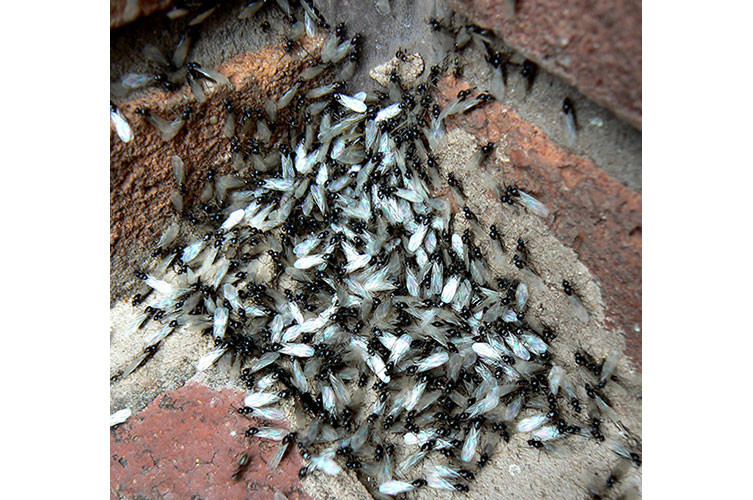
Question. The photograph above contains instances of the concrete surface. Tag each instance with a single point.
(593, 239)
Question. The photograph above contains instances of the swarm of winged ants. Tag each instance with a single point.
(337, 278)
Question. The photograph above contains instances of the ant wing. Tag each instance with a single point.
(532, 204)
(352, 103)
(121, 125)
(390, 111)
(213, 75)
(285, 7)
(198, 92)
(270, 433)
(274, 461)
(155, 55)
(571, 134)
(609, 365)
(532, 423)
(251, 9)
(178, 170)
(210, 358)
(393, 487)
(470, 444)
(201, 17)
(120, 416)
(297, 350)
(168, 130)
(326, 464)
(181, 51)
(137, 80)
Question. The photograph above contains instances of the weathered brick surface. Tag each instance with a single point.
(187, 443)
(592, 212)
(123, 12)
(141, 178)
(595, 46)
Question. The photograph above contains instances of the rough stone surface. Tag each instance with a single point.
(123, 12)
(187, 444)
(590, 211)
(141, 178)
(409, 70)
(595, 46)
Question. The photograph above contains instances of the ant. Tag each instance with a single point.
(242, 466)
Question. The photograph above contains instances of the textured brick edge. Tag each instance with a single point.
(187, 444)
(141, 178)
(594, 46)
(592, 213)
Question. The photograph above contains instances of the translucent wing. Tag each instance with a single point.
(531, 423)
(275, 459)
(309, 261)
(178, 169)
(395, 487)
(210, 358)
(251, 9)
(486, 351)
(297, 350)
(378, 367)
(220, 322)
(181, 51)
(234, 219)
(399, 348)
(259, 399)
(270, 433)
(469, 447)
(439, 483)
(390, 111)
(120, 416)
(546, 433)
(555, 379)
(121, 125)
(534, 343)
(417, 238)
(517, 347)
(201, 17)
(215, 76)
(433, 361)
(532, 204)
(521, 296)
(326, 464)
(609, 365)
(136, 80)
(155, 55)
(448, 292)
(352, 103)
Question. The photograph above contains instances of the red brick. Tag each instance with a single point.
(141, 178)
(592, 212)
(602, 55)
(181, 446)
